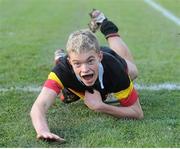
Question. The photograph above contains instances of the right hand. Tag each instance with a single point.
(94, 100)
(48, 136)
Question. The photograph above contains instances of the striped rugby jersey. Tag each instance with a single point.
(115, 79)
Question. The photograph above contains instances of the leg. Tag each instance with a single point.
(57, 54)
(118, 45)
(109, 29)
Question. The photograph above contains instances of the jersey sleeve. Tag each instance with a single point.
(128, 96)
(54, 83)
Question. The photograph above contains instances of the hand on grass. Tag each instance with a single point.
(48, 136)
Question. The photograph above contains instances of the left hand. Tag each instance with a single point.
(48, 136)
(93, 101)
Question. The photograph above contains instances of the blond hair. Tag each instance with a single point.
(82, 41)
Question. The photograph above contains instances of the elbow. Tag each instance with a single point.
(139, 115)
(31, 112)
(133, 73)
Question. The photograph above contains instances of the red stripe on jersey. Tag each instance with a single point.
(131, 99)
(53, 85)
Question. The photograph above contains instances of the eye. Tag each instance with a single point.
(77, 64)
(91, 61)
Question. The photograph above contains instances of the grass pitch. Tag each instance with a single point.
(31, 30)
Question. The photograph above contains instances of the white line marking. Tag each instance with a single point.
(165, 12)
(152, 87)
(22, 89)
(157, 87)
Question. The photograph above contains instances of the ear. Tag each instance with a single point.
(100, 56)
(68, 58)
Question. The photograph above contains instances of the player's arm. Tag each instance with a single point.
(38, 114)
(133, 110)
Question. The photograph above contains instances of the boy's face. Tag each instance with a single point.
(85, 65)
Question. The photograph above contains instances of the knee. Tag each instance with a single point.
(133, 73)
(132, 70)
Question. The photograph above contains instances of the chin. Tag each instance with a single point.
(89, 84)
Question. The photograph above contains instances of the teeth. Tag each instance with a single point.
(87, 77)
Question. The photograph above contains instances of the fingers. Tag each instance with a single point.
(47, 136)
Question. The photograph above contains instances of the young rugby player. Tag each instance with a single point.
(90, 72)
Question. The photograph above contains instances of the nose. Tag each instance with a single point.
(84, 68)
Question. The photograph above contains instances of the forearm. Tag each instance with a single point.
(121, 112)
(39, 120)
(39, 109)
(94, 102)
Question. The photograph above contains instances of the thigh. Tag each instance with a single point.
(132, 69)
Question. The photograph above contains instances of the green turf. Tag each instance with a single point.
(31, 30)
(168, 4)
(84, 128)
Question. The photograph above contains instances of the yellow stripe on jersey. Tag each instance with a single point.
(124, 93)
(53, 76)
(77, 93)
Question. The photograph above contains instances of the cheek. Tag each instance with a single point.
(95, 68)
(76, 70)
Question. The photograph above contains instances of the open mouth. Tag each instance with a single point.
(87, 77)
